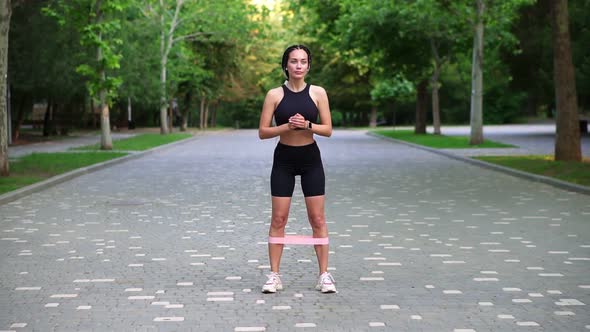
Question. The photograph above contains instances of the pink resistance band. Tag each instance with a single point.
(299, 239)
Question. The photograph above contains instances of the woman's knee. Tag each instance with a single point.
(317, 221)
(278, 221)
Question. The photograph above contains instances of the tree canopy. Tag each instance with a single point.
(375, 59)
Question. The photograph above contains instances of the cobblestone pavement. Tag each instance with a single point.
(176, 241)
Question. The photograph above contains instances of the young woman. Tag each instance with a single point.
(296, 106)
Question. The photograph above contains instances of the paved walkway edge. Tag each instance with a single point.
(52, 181)
(511, 171)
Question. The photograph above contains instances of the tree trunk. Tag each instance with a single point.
(166, 41)
(8, 111)
(5, 13)
(206, 120)
(213, 115)
(202, 113)
(24, 104)
(106, 142)
(373, 117)
(170, 115)
(567, 142)
(130, 124)
(393, 115)
(532, 103)
(184, 125)
(421, 107)
(345, 118)
(163, 104)
(476, 119)
(129, 118)
(435, 103)
(163, 61)
(435, 86)
(94, 113)
(435, 108)
(186, 110)
(47, 119)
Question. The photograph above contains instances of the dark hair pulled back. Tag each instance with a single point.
(291, 49)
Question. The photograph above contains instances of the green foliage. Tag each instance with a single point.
(139, 65)
(580, 38)
(201, 48)
(365, 53)
(42, 57)
(531, 69)
(499, 18)
(396, 88)
(501, 104)
(241, 114)
(384, 40)
(98, 26)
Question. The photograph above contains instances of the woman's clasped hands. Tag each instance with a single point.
(297, 121)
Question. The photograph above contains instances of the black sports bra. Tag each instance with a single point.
(296, 102)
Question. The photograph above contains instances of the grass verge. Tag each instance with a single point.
(574, 172)
(37, 167)
(40, 166)
(438, 141)
(140, 142)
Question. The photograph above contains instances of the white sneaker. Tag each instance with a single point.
(273, 284)
(326, 283)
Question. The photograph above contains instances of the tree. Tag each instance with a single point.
(580, 38)
(98, 26)
(183, 21)
(497, 17)
(443, 29)
(476, 119)
(567, 142)
(532, 67)
(167, 40)
(387, 91)
(139, 92)
(406, 51)
(41, 59)
(5, 13)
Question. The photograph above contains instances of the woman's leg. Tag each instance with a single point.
(280, 214)
(317, 220)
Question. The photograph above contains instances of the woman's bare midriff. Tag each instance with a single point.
(297, 138)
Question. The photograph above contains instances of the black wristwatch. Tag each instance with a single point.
(308, 124)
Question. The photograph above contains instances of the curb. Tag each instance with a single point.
(52, 181)
(503, 169)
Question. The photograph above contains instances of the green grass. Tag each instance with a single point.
(438, 141)
(40, 166)
(140, 142)
(574, 172)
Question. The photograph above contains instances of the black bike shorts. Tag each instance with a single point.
(290, 161)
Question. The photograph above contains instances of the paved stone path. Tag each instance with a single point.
(176, 241)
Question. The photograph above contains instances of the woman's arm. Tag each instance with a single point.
(265, 130)
(324, 128)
